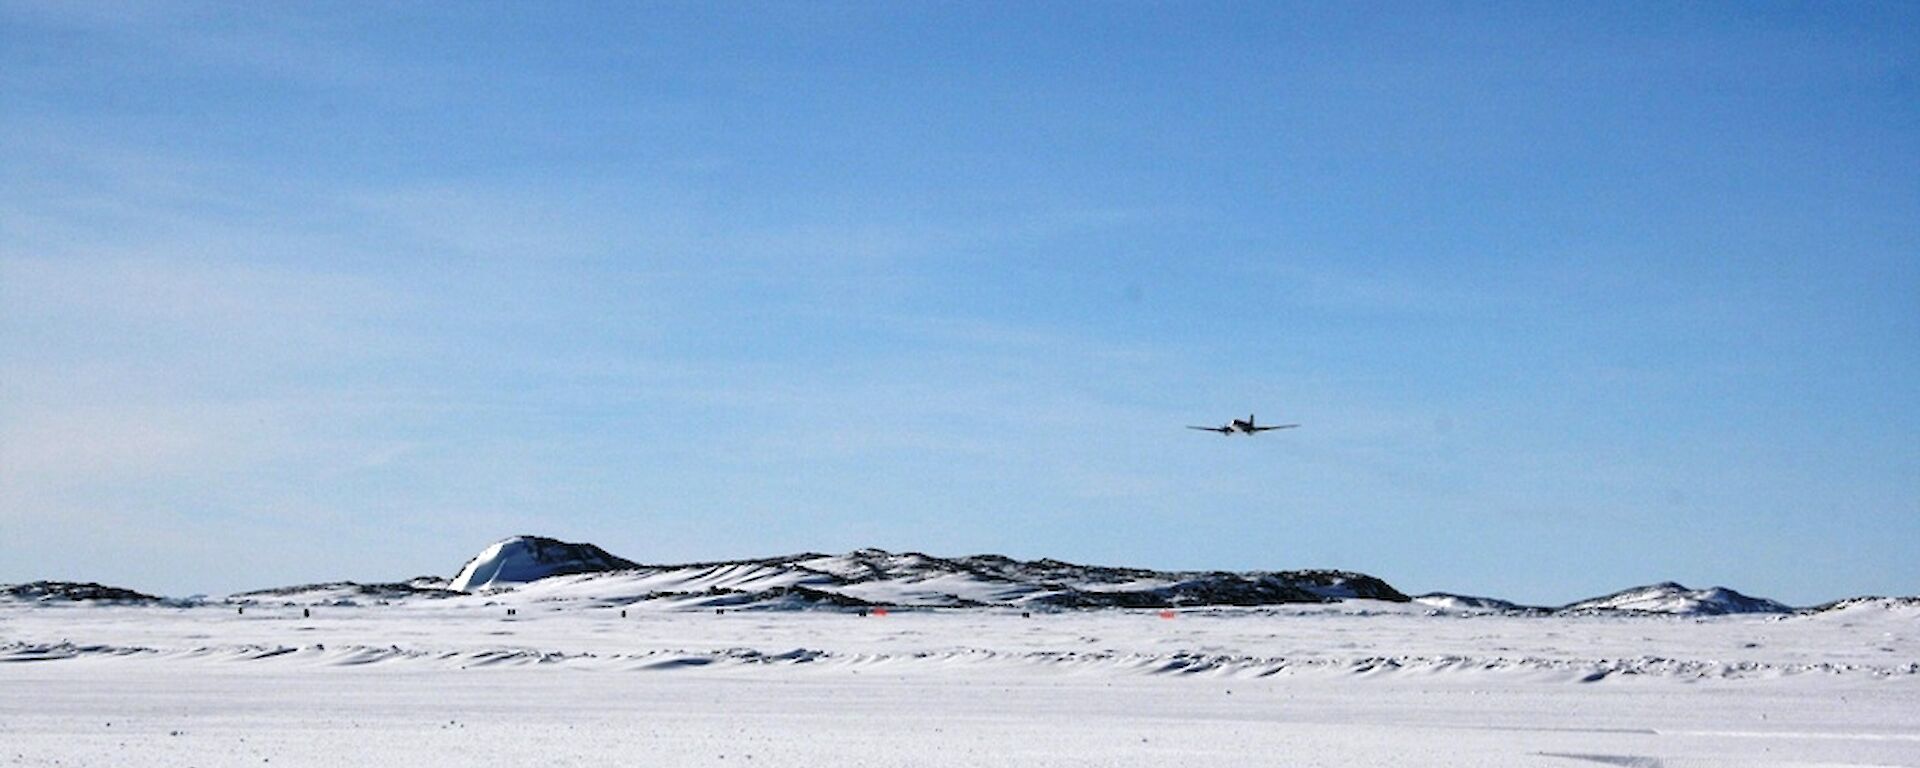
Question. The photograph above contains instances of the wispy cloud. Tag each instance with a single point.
(210, 296)
(284, 43)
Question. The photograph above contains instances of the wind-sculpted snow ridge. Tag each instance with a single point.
(1671, 598)
(1226, 665)
(70, 591)
(873, 577)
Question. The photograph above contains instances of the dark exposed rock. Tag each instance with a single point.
(386, 591)
(48, 591)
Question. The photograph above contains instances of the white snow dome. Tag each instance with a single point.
(522, 559)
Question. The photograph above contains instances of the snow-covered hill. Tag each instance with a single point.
(524, 569)
(522, 559)
(1671, 598)
(1870, 605)
(1452, 602)
(532, 568)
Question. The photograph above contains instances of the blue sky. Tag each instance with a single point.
(1569, 298)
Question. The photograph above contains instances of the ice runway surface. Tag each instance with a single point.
(1360, 684)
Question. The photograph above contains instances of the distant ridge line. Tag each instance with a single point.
(550, 569)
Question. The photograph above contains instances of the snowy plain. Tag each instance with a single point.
(1359, 683)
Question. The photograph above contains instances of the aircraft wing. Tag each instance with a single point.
(1276, 426)
(1221, 430)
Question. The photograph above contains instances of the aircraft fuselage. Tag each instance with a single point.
(1245, 426)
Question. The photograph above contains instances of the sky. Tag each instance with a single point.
(1567, 297)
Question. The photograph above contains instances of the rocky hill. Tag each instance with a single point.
(1670, 598)
(546, 569)
(71, 591)
(522, 559)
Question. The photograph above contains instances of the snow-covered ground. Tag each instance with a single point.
(1360, 683)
